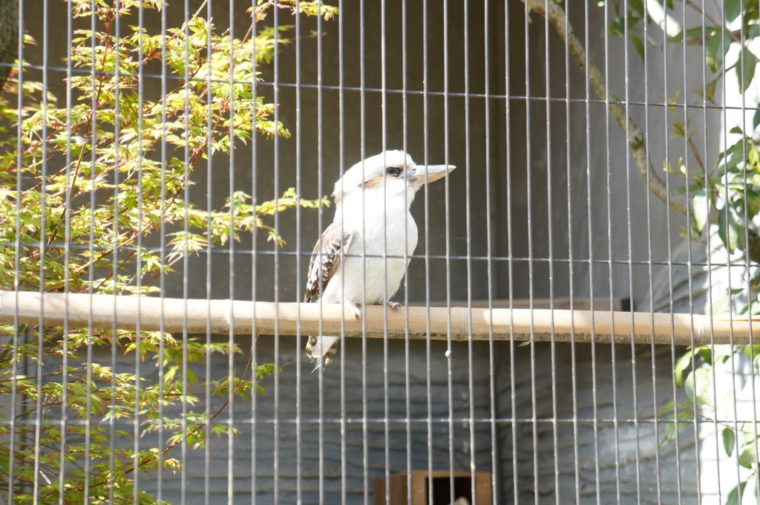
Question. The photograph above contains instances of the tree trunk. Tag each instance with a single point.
(8, 37)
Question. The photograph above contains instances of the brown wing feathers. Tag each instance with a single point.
(325, 260)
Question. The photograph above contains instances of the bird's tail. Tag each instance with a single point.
(317, 349)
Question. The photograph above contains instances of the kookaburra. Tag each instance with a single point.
(362, 256)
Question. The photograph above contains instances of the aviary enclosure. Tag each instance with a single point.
(535, 274)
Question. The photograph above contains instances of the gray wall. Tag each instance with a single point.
(567, 181)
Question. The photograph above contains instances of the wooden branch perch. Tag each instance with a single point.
(268, 318)
(636, 140)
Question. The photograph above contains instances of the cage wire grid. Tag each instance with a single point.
(558, 265)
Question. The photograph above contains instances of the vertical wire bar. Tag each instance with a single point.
(341, 164)
(708, 242)
(276, 160)
(529, 239)
(341, 156)
(116, 228)
(426, 218)
(320, 171)
(209, 257)
(669, 250)
(231, 256)
(729, 268)
(363, 128)
(649, 262)
(741, 76)
(689, 264)
(17, 265)
(66, 263)
(591, 264)
(631, 286)
(90, 290)
(492, 412)
(571, 263)
(38, 420)
(407, 340)
(384, 144)
(447, 213)
(254, 258)
(138, 268)
(510, 258)
(322, 257)
(610, 266)
(550, 247)
(12, 427)
(468, 233)
(708, 250)
(186, 265)
(162, 259)
(299, 378)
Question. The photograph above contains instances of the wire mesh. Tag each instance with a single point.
(576, 298)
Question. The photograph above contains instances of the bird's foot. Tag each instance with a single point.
(393, 305)
(324, 360)
(356, 310)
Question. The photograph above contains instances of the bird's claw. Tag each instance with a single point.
(324, 361)
(356, 310)
(393, 305)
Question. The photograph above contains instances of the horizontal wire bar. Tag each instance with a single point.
(399, 420)
(537, 259)
(456, 94)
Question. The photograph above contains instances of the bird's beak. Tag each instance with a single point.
(425, 174)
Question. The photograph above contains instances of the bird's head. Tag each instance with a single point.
(393, 173)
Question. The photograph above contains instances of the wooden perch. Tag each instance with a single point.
(268, 318)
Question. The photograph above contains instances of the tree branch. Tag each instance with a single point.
(636, 141)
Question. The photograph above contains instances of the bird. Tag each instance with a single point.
(362, 256)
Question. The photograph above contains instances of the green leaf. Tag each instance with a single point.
(617, 26)
(735, 496)
(732, 9)
(745, 70)
(700, 210)
(683, 363)
(729, 439)
(747, 458)
(697, 385)
(667, 409)
(637, 5)
(698, 33)
(730, 228)
(717, 47)
(639, 45)
(752, 351)
(756, 119)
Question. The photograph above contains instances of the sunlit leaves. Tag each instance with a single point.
(746, 68)
(718, 44)
(208, 113)
(735, 496)
(117, 168)
(731, 228)
(732, 9)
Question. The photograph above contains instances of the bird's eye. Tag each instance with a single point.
(394, 171)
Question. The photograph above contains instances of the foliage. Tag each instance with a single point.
(85, 184)
(725, 196)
